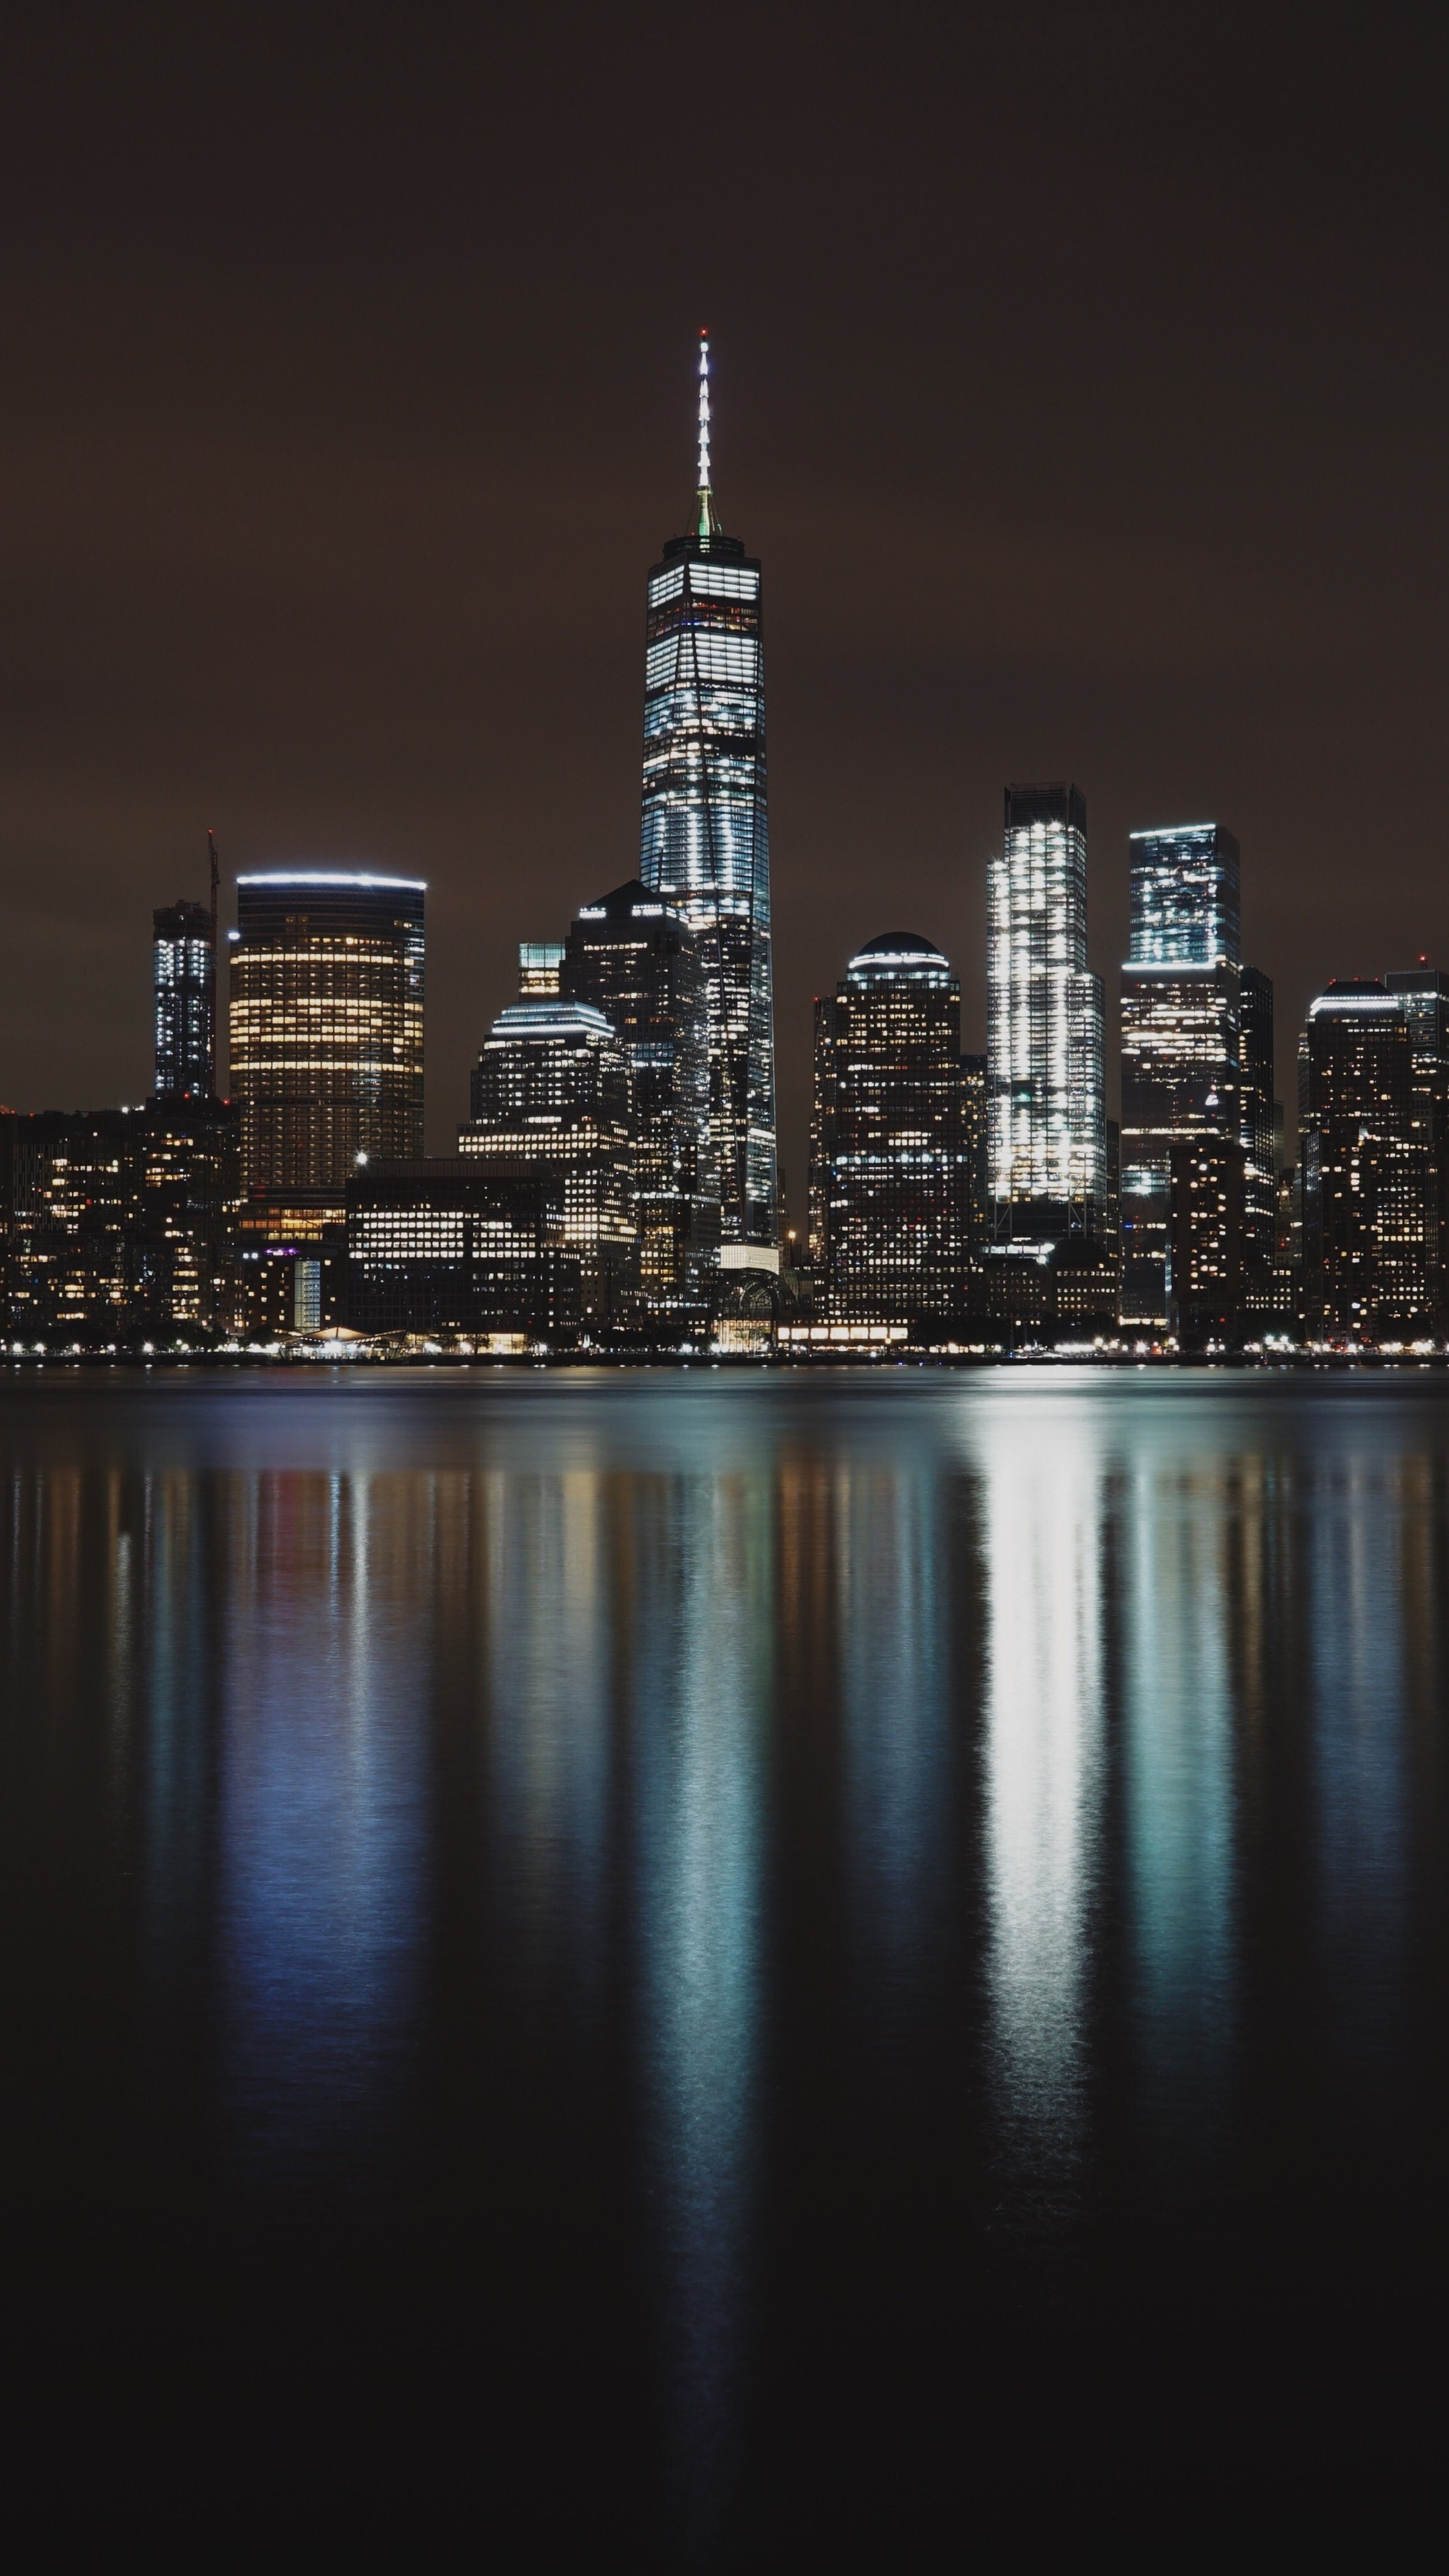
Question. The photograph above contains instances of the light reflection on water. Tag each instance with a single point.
(499, 1760)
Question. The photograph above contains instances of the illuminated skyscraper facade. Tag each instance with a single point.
(633, 956)
(1366, 1163)
(1180, 1046)
(893, 1138)
(1046, 1136)
(326, 1025)
(705, 843)
(553, 1103)
(183, 978)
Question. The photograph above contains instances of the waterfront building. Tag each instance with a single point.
(704, 840)
(326, 1027)
(1424, 992)
(553, 1089)
(119, 1225)
(1260, 1128)
(892, 1149)
(1205, 1236)
(1366, 1169)
(183, 983)
(1046, 1132)
(633, 957)
(1180, 1041)
(462, 1246)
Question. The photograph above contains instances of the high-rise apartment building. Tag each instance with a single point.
(553, 1104)
(326, 1025)
(1424, 993)
(1366, 1169)
(1046, 1134)
(704, 842)
(1260, 1119)
(892, 1145)
(633, 956)
(183, 983)
(1180, 1042)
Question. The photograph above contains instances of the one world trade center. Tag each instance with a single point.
(705, 841)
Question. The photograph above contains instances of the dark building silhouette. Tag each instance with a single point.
(461, 1246)
(119, 1225)
(633, 957)
(704, 840)
(894, 1148)
(1260, 1125)
(1205, 1238)
(1424, 993)
(183, 976)
(1365, 1170)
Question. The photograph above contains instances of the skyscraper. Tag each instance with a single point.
(704, 840)
(1180, 1043)
(891, 1184)
(183, 979)
(1260, 1119)
(326, 1024)
(633, 956)
(1366, 1168)
(1046, 1136)
(553, 1103)
(1424, 992)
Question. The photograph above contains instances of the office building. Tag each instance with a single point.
(1205, 1238)
(119, 1225)
(704, 842)
(891, 1183)
(1366, 1170)
(1424, 993)
(1260, 1127)
(1180, 1041)
(183, 982)
(1046, 1141)
(326, 1028)
(633, 957)
(553, 1096)
(463, 1247)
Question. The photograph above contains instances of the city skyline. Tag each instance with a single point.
(369, 594)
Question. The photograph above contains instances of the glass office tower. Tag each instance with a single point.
(326, 1025)
(1367, 1171)
(552, 1098)
(1046, 1129)
(183, 976)
(1180, 1041)
(892, 1145)
(1424, 992)
(634, 957)
(704, 841)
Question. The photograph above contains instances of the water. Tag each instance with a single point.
(722, 1968)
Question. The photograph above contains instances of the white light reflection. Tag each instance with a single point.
(894, 1666)
(1179, 1714)
(706, 1636)
(322, 1804)
(1041, 1482)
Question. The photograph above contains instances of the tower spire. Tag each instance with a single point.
(706, 524)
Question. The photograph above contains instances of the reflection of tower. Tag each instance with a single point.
(704, 838)
(1044, 1524)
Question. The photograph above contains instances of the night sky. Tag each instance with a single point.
(1080, 378)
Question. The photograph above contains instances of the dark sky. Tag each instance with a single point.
(1080, 376)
